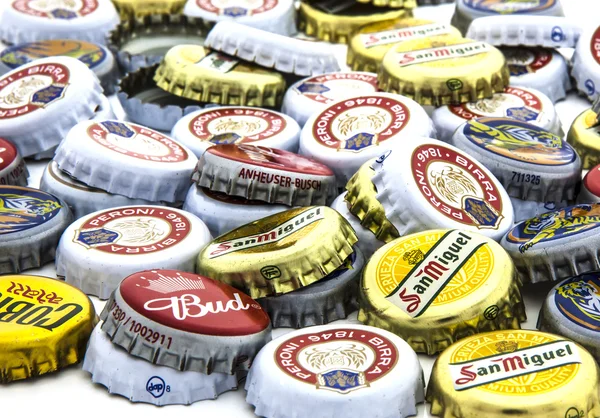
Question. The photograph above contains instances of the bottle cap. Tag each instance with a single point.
(350, 370)
(31, 223)
(140, 8)
(427, 184)
(45, 326)
(519, 103)
(590, 187)
(406, 4)
(586, 64)
(362, 201)
(433, 2)
(32, 20)
(526, 209)
(44, 99)
(12, 166)
(266, 174)
(369, 44)
(203, 129)
(81, 199)
(141, 381)
(127, 159)
(544, 70)
(435, 287)
(140, 42)
(443, 69)
(314, 94)
(98, 250)
(276, 16)
(529, 372)
(329, 299)
(97, 57)
(571, 310)
(200, 325)
(556, 245)
(530, 162)
(337, 21)
(279, 253)
(195, 73)
(349, 132)
(222, 213)
(584, 136)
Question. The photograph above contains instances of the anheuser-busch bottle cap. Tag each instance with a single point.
(267, 174)
(347, 370)
(186, 321)
(12, 165)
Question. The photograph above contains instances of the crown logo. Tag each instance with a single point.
(168, 284)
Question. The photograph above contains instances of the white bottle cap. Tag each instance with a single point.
(526, 209)
(13, 171)
(586, 64)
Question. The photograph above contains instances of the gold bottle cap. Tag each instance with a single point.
(281, 252)
(46, 325)
(435, 287)
(339, 27)
(514, 373)
(407, 4)
(584, 136)
(139, 8)
(196, 73)
(369, 44)
(362, 198)
(444, 69)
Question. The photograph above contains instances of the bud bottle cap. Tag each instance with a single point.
(12, 166)
(586, 64)
(98, 250)
(141, 8)
(200, 325)
(584, 136)
(590, 187)
(526, 209)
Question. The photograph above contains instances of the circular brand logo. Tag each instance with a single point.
(237, 8)
(236, 125)
(134, 230)
(329, 88)
(514, 103)
(56, 9)
(578, 299)
(137, 141)
(519, 141)
(8, 153)
(596, 45)
(341, 360)
(90, 54)
(523, 61)
(23, 208)
(510, 7)
(32, 88)
(457, 186)
(157, 387)
(360, 122)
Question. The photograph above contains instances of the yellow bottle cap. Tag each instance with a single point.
(45, 326)
(435, 287)
(515, 373)
(584, 136)
(139, 8)
(339, 27)
(369, 44)
(407, 4)
(362, 198)
(281, 252)
(196, 73)
(444, 69)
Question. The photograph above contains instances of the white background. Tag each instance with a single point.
(70, 392)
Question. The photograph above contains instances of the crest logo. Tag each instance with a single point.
(578, 299)
(313, 88)
(510, 7)
(22, 209)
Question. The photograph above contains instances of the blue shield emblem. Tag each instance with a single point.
(313, 88)
(522, 114)
(96, 237)
(481, 212)
(235, 11)
(228, 138)
(63, 14)
(342, 381)
(118, 128)
(47, 95)
(359, 141)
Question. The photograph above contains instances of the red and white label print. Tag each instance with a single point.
(237, 8)
(56, 9)
(329, 88)
(596, 45)
(512, 98)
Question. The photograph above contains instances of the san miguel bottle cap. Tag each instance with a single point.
(519, 103)
(31, 223)
(411, 284)
(46, 325)
(529, 373)
(556, 245)
(443, 69)
(277, 16)
(526, 209)
(42, 100)
(127, 159)
(196, 73)
(98, 250)
(140, 8)
(369, 44)
(351, 131)
(313, 94)
(12, 166)
(268, 174)
(353, 370)
(141, 381)
(427, 184)
(222, 213)
(205, 128)
(584, 136)
(186, 322)
(590, 187)
(586, 63)
(332, 298)
(280, 253)
(542, 69)
(530, 162)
